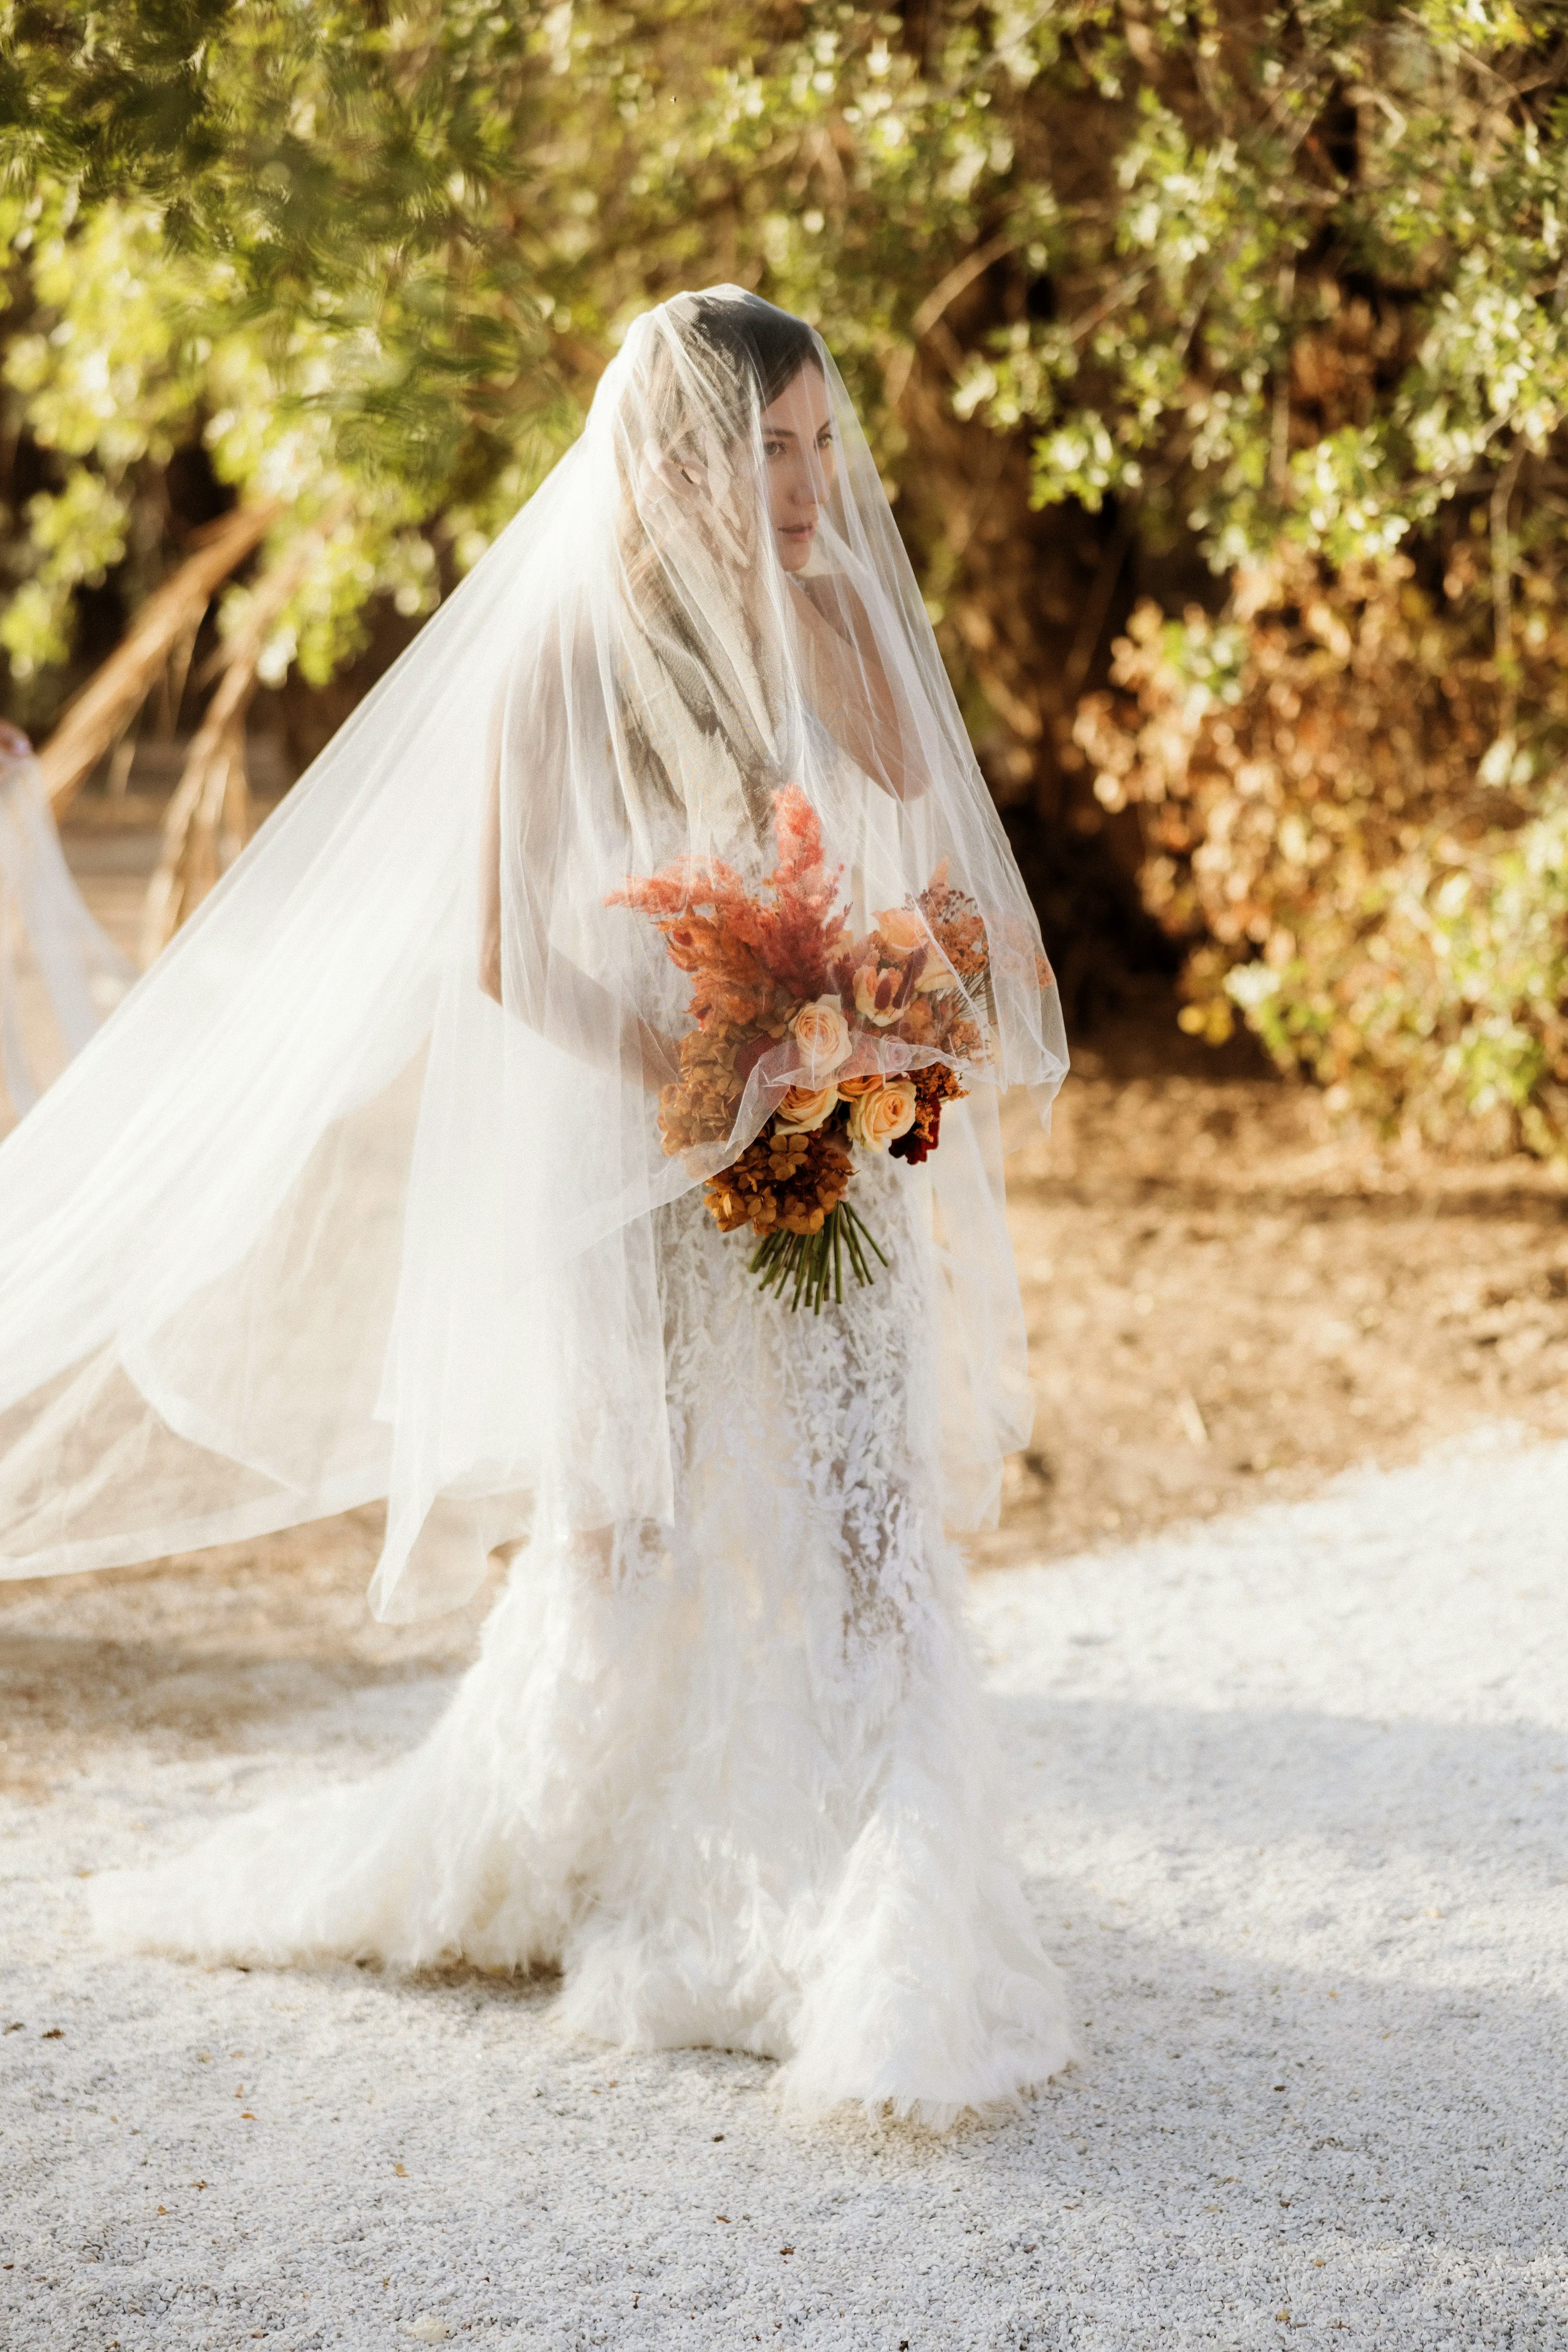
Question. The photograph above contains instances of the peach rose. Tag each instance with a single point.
(902, 929)
(880, 1118)
(850, 1087)
(806, 1106)
(821, 1036)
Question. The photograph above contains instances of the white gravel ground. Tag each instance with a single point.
(1293, 1803)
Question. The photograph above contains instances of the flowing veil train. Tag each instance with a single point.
(393, 1180)
(59, 974)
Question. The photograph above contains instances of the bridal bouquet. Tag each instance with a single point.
(847, 1031)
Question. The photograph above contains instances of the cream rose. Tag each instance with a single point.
(821, 1036)
(880, 1117)
(806, 1106)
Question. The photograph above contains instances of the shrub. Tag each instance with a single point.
(1364, 865)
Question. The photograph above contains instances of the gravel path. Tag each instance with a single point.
(1294, 1789)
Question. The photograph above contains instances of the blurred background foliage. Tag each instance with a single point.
(1214, 356)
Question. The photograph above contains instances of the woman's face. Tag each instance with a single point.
(797, 455)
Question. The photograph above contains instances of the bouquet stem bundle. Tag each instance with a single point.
(815, 1261)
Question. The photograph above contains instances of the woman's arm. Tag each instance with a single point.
(555, 996)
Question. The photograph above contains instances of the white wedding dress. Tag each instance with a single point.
(731, 1775)
(365, 1194)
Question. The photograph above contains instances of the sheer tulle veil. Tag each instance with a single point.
(356, 1195)
(59, 974)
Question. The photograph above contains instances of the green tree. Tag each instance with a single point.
(1250, 311)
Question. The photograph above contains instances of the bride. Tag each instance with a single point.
(574, 1121)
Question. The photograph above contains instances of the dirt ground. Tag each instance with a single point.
(1228, 1296)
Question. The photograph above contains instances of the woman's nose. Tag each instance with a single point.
(804, 488)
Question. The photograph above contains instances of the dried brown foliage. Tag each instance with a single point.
(1339, 822)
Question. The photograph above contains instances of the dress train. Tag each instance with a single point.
(733, 1776)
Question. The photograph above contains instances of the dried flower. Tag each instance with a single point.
(957, 925)
(923, 1020)
(783, 1181)
(935, 1085)
(882, 991)
(699, 1107)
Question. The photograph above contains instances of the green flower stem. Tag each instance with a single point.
(865, 1232)
(811, 1266)
(800, 1264)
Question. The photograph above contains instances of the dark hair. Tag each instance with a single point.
(771, 346)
